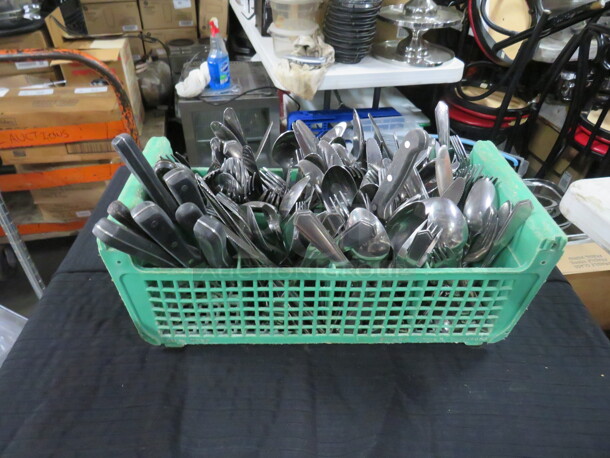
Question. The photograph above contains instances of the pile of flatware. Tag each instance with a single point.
(344, 202)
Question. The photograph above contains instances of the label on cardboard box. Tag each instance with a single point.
(90, 90)
(185, 23)
(3, 91)
(182, 4)
(30, 65)
(83, 214)
(35, 92)
(584, 258)
(130, 28)
(89, 147)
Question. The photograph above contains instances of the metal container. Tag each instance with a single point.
(255, 110)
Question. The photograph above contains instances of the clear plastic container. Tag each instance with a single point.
(11, 324)
(294, 14)
(283, 40)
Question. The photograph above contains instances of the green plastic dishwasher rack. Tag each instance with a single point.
(176, 307)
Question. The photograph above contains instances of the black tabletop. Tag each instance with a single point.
(79, 381)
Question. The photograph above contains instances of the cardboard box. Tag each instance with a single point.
(68, 203)
(587, 268)
(65, 203)
(137, 49)
(67, 152)
(86, 2)
(34, 117)
(29, 80)
(570, 166)
(115, 17)
(213, 8)
(38, 39)
(115, 53)
(543, 139)
(168, 14)
(167, 35)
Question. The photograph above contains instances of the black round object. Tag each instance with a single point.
(348, 60)
(348, 12)
(349, 39)
(350, 51)
(350, 27)
(350, 22)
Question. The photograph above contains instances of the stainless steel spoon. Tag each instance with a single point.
(305, 137)
(222, 132)
(284, 150)
(232, 122)
(481, 197)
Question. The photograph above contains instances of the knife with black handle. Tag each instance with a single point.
(186, 216)
(124, 239)
(119, 211)
(137, 164)
(183, 185)
(158, 225)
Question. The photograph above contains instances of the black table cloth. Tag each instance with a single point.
(80, 382)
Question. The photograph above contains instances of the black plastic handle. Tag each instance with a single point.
(125, 240)
(158, 225)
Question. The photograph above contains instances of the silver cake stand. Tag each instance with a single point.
(416, 17)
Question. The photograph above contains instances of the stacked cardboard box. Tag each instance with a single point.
(64, 203)
(58, 138)
(213, 8)
(168, 20)
(108, 17)
(48, 129)
(38, 39)
(115, 53)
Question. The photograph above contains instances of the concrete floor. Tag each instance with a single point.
(16, 292)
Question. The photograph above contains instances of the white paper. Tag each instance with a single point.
(105, 44)
(3, 91)
(130, 28)
(90, 90)
(29, 65)
(185, 23)
(182, 4)
(32, 92)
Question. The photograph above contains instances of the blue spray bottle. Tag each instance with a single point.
(218, 59)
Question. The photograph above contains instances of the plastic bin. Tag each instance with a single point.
(176, 307)
(320, 121)
(294, 14)
(283, 39)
